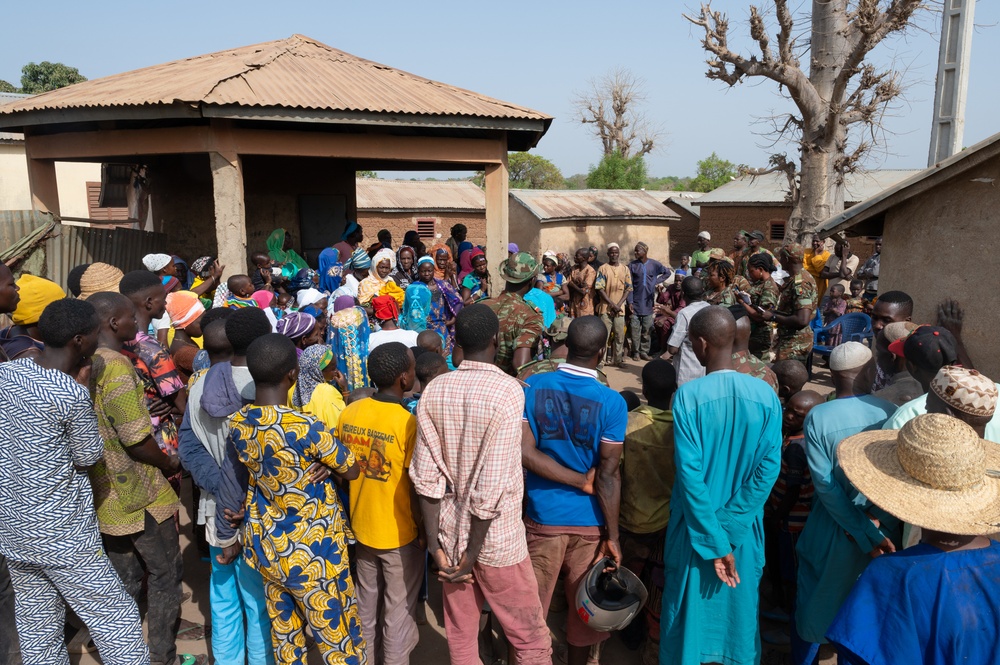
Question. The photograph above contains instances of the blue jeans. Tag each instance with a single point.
(241, 627)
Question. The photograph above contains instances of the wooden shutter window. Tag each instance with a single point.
(427, 228)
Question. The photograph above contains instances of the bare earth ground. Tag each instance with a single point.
(433, 648)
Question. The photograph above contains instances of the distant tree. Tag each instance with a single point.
(45, 76)
(576, 181)
(527, 171)
(713, 171)
(365, 174)
(618, 172)
(6, 87)
(670, 183)
(612, 108)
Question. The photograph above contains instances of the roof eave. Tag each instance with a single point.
(606, 218)
(429, 209)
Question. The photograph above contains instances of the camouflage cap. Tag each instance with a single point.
(519, 268)
(793, 250)
(559, 330)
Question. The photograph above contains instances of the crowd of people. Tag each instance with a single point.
(392, 414)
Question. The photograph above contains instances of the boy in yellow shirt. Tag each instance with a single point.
(390, 561)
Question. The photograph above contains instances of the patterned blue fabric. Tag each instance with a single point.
(416, 307)
(330, 270)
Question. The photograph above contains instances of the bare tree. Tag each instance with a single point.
(611, 107)
(840, 93)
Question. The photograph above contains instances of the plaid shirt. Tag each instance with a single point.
(468, 455)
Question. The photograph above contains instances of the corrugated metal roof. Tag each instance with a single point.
(550, 205)
(398, 195)
(296, 73)
(7, 98)
(772, 189)
(685, 200)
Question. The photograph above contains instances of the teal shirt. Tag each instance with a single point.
(829, 562)
(727, 450)
(918, 407)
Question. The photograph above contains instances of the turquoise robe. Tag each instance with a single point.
(727, 448)
(829, 563)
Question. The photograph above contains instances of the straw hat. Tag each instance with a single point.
(99, 277)
(931, 473)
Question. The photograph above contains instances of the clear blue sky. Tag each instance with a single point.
(534, 54)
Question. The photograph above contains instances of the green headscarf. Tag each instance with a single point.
(289, 257)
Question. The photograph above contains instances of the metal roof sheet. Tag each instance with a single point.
(561, 204)
(293, 73)
(772, 188)
(390, 195)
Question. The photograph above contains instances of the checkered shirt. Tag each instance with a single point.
(468, 455)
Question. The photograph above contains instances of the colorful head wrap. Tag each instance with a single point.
(184, 308)
(312, 362)
(352, 226)
(416, 307)
(385, 308)
(330, 270)
(37, 293)
(425, 259)
(202, 264)
(296, 325)
(380, 256)
(359, 260)
(263, 298)
(342, 303)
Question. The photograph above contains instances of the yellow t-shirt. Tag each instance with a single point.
(382, 436)
(325, 405)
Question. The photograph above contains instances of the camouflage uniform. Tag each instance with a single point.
(520, 327)
(798, 293)
(727, 297)
(745, 363)
(741, 269)
(762, 294)
(550, 365)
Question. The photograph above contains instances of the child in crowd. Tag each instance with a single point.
(834, 308)
(787, 508)
(856, 303)
(429, 366)
(382, 435)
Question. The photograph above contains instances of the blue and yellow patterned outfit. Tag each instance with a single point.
(294, 533)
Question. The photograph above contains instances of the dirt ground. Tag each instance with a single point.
(433, 647)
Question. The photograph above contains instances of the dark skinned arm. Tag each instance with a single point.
(615, 307)
(798, 320)
(148, 452)
(608, 487)
(477, 536)
(522, 357)
(542, 465)
(466, 295)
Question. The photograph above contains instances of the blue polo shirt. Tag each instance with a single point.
(570, 414)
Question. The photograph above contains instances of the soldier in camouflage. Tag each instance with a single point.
(556, 334)
(796, 305)
(754, 239)
(764, 294)
(520, 325)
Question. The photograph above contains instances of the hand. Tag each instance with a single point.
(318, 473)
(235, 519)
(340, 379)
(173, 465)
(885, 547)
(229, 554)
(611, 549)
(461, 574)
(83, 372)
(725, 568)
(266, 275)
(442, 562)
(951, 316)
(159, 408)
(588, 484)
(217, 270)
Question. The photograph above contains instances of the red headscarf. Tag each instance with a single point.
(385, 308)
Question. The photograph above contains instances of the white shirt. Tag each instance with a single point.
(349, 287)
(407, 337)
(685, 363)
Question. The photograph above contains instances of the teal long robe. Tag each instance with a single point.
(727, 439)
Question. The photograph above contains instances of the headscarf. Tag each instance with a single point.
(156, 262)
(381, 255)
(342, 303)
(184, 308)
(359, 260)
(405, 277)
(416, 307)
(171, 284)
(385, 308)
(351, 227)
(543, 303)
(512, 248)
(372, 284)
(464, 264)
(427, 259)
(37, 293)
(296, 325)
(435, 250)
(275, 244)
(643, 245)
(390, 289)
(303, 280)
(312, 362)
(263, 298)
(188, 277)
(309, 296)
(330, 270)
(464, 246)
(202, 265)
(348, 335)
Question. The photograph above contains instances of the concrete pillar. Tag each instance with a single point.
(952, 84)
(496, 218)
(42, 181)
(230, 211)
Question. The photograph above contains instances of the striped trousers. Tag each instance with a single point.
(91, 587)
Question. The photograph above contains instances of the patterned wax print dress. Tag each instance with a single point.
(294, 533)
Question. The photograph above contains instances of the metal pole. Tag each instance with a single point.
(952, 86)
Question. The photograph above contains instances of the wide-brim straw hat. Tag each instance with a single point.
(99, 277)
(932, 473)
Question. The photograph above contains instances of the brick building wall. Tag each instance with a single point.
(435, 225)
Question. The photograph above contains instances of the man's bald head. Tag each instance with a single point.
(215, 339)
(587, 337)
(805, 399)
(715, 325)
(792, 375)
(797, 408)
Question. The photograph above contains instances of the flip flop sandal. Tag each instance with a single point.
(189, 659)
(190, 631)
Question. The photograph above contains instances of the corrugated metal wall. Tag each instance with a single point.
(74, 245)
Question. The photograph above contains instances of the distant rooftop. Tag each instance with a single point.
(417, 195)
(772, 189)
(7, 98)
(553, 205)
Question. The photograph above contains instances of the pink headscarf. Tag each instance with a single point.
(465, 261)
(263, 298)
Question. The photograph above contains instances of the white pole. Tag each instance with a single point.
(952, 87)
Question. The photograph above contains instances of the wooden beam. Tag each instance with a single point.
(180, 140)
(496, 218)
(43, 184)
(230, 211)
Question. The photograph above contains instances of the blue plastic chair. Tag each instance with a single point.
(854, 327)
